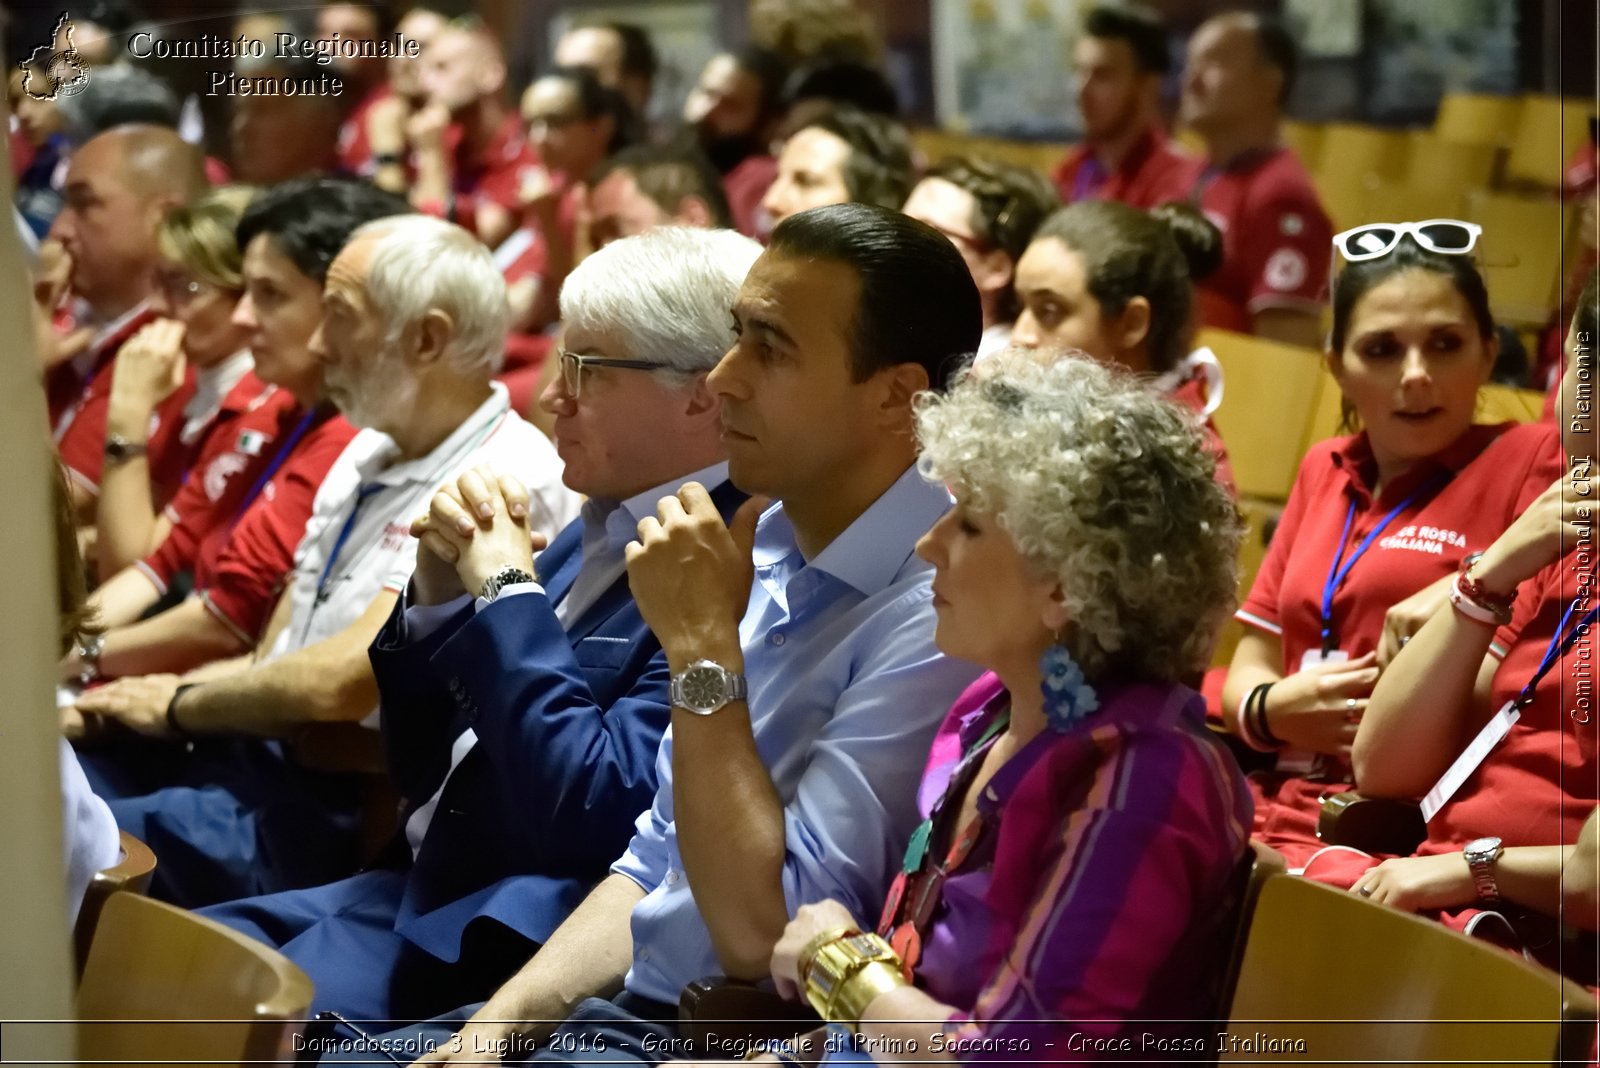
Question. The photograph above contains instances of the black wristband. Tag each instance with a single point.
(388, 159)
(172, 709)
(1257, 708)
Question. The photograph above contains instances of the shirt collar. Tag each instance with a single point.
(870, 552)
(379, 465)
(621, 520)
(213, 384)
(1354, 458)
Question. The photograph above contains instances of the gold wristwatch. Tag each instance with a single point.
(848, 973)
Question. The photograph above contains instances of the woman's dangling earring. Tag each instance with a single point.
(1068, 698)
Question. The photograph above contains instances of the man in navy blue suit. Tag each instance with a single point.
(522, 704)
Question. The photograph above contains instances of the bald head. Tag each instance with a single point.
(156, 162)
(119, 187)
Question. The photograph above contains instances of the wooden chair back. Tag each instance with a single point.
(1521, 252)
(1266, 864)
(1269, 394)
(132, 874)
(1549, 130)
(153, 965)
(1477, 118)
(1360, 983)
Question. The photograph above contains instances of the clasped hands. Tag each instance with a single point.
(475, 527)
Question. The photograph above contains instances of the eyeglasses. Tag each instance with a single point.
(1452, 237)
(178, 289)
(573, 364)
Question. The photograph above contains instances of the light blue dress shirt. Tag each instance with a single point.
(846, 689)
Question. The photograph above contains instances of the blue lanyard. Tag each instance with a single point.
(1336, 574)
(277, 461)
(1559, 644)
(362, 493)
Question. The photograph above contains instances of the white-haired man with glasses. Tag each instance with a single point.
(523, 704)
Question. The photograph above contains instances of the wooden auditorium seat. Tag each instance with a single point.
(1477, 118)
(1361, 983)
(1548, 131)
(1521, 252)
(165, 986)
(131, 874)
(1269, 395)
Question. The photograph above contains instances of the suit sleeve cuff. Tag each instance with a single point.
(480, 603)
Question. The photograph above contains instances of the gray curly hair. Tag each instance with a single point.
(1104, 486)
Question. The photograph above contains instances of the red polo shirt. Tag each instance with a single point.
(81, 436)
(65, 383)
(249, 573)
(1153, 172)
(1276, 239)
(1498, 471)
(250, 433)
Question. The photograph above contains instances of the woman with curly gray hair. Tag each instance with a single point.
(1082, 826)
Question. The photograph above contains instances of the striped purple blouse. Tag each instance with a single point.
(1099, 909)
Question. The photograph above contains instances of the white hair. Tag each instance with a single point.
(420, 264)
(666, 294)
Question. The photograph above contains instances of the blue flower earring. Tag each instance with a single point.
(1068, 698)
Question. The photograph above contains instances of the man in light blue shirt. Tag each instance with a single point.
(805, 789)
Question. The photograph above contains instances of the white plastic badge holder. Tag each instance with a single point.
(1473, 755)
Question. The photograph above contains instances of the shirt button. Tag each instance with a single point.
(672, 878)
(644, 956)
(777, 638)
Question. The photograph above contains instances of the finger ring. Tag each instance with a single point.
(1364, 891)
(1349, 704)
(1404, 640)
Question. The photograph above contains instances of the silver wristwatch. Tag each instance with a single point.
(705, 686)
(506, 576)
(1481, 856)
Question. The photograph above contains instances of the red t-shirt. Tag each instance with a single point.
(250, 572)
(1153, 172)
(1276, 239)
(81, 436)
(1538, 785)
(745, 187)
(248, 437)
(1499, 470)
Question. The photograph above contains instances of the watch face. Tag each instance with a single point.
(1482, 848)
(704, 686)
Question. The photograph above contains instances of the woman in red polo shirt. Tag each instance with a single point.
(1505, 813)
(1377, 517)
(193, 338)
(1116, 283)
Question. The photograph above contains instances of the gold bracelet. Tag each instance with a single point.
(836, 961)
(861, 989)
(808, 953)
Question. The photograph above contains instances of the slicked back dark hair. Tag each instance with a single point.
(668, 173)
(879, 169)
(918, 303)
(1136, 25)
(310, 219)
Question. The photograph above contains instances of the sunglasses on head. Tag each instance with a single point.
(1452, 237)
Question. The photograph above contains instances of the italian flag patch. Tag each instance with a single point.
(250, 442)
